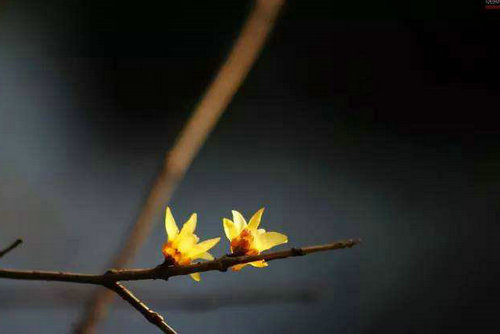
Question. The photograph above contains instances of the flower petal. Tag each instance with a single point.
(255, 220)
(186, 244)
(195, 276)
(259, 264)
(238, 267)
(205, 256)
(239, 221)
(230, 229)
(202, 247)
(188, 227)
(170, 225)
(270, 239)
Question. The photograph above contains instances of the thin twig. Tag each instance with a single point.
(11, 247)
(165, 272)
(153, 317)
(206, 114)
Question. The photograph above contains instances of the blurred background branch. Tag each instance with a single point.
(211, 106)
(61, 297)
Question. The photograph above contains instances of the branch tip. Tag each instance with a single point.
(15, 244)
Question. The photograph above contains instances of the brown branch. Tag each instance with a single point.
(165, 272)
(206, 114)
(153, 317)
(223, 263)
(111, 278)
(11, 247)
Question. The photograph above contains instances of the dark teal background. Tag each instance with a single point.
(361, 119)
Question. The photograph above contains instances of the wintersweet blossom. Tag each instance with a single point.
(181, 248)
(249, 239)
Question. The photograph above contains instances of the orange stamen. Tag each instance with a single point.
(243, 244)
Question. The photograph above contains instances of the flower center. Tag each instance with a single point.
(173, 256)
(243, 244)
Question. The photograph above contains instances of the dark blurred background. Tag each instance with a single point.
(371, 119)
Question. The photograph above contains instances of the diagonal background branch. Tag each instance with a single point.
(206, 114)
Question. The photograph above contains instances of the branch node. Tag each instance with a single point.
(155, 317)
(298, 252)
(222, 267)
(110, 272)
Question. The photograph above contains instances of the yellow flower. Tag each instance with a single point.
(249, 239)
(182, 247)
